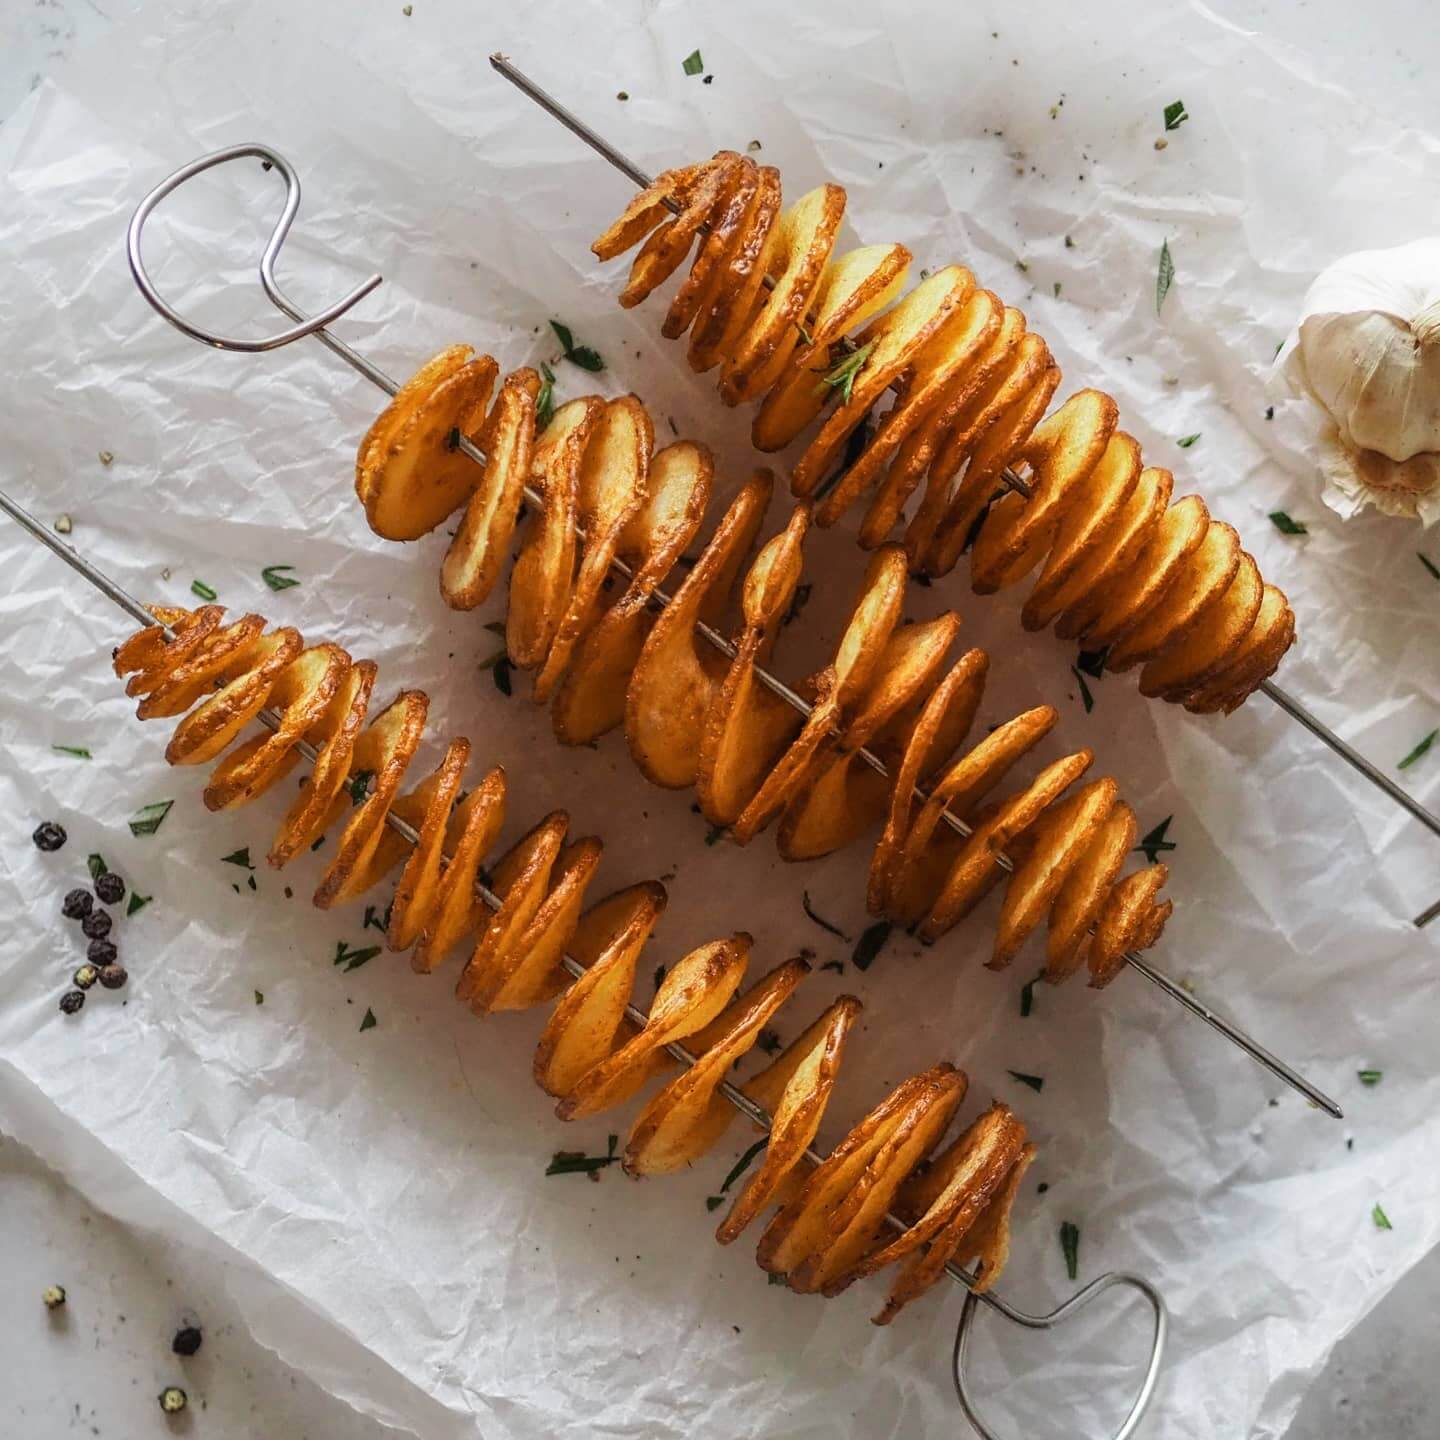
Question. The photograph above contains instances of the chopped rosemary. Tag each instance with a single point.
(147, 820)
(870, 944)
(1164, 276)
(820, 920)
(276, 579)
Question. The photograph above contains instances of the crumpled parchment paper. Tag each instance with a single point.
(379, 1196)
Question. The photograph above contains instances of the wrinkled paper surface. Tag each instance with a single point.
(379, 1196)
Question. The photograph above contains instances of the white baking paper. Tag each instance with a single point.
(379, 1195)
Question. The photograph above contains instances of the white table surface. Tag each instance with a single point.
(97, 1366)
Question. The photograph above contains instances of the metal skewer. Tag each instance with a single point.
(1009, 479)
(757, 1114)
(306, 325)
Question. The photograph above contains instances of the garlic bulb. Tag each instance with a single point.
(1367, 352)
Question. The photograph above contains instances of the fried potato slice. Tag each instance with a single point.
(647, 209)
(477, 552)
(542, 580)
(591, 697)
(522, 881)
(804, 238)
(976, 869)
(335, 736)
(1062, 453)
(1126, 599)
(676, 677)
(897, 336)
(1214, 635)
(795, 1088)
(988, 1241)
(1205, 576)
(687, 1117)
(1085, 890)
(726, 223)
(854, 287)
(455, 912)
(1061, 839)
(614, 480)
(846, 797)
(696, 990)
(1259, 653)
(941, 364)
(838, 688)
(158, 667)
(1129, 920)
(418, 888)
(219, 657)
(747, 727)
(302, 696)
(409, 474)
(946, 1201)
(583, 1027)
(939, 730)
(384, 750)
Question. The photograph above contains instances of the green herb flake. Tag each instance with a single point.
(1370, 1077)
(842, 377)
(1092, 662)
(1430, 565)
(820, 920)
(276, 579)
(545, 397)
(1175, 116)
(1164, 276)
(714, 1202)
(1153, 845)
(1285, 525)
(575, 1162)
(1056, 288)
(204, 591)
(96, 865)
(778, 1280)
(359, 786)
(870, 944)
(1186, 441)
(148, 819)
(582, 355)
(692, 64)
(743, 1163)
(1035, 1082)
(838, 966)
(1070, 1248)
(353, 959)
(1422, 749)
(78, 751)
(1085, 695)
(369, 1022)
(1027, 996)
(259, 997)
(1381, 1219)
(713, 834)
(238, 857)
(137, 902)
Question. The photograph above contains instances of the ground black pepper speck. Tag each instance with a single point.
(96, 925)
(101, 952)
(49, 836)
(77, 904)
(110, 888)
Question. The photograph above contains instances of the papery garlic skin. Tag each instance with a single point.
(1366, 351)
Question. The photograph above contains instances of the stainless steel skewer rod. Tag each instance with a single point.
(1009, 478)
(1238, 1037)
(742, 1102)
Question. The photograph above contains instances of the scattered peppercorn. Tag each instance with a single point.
(101, 952)
(96, 925)
(186, 1341)
(71, 1001)
(110, 888)
(113, 977)
(77, 904)
(49, 836)
(85, 977)
(173, 1399)
(53, 1296)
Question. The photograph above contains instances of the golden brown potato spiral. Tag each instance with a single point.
(1121, 568)
(828, 1228)
(693, 716)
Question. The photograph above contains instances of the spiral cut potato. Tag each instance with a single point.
(828, 1227)
(1121, 569)
(605, 655)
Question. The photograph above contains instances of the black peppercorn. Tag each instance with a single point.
(96, 925)
(112, 977)
(110, 888)
(85, 977)
(77, 904)
(101, 952)
(186, 1341)
(71, 1001)
(49, 836)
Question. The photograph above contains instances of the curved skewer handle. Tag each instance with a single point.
(271, 158)
(1058, 1316)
